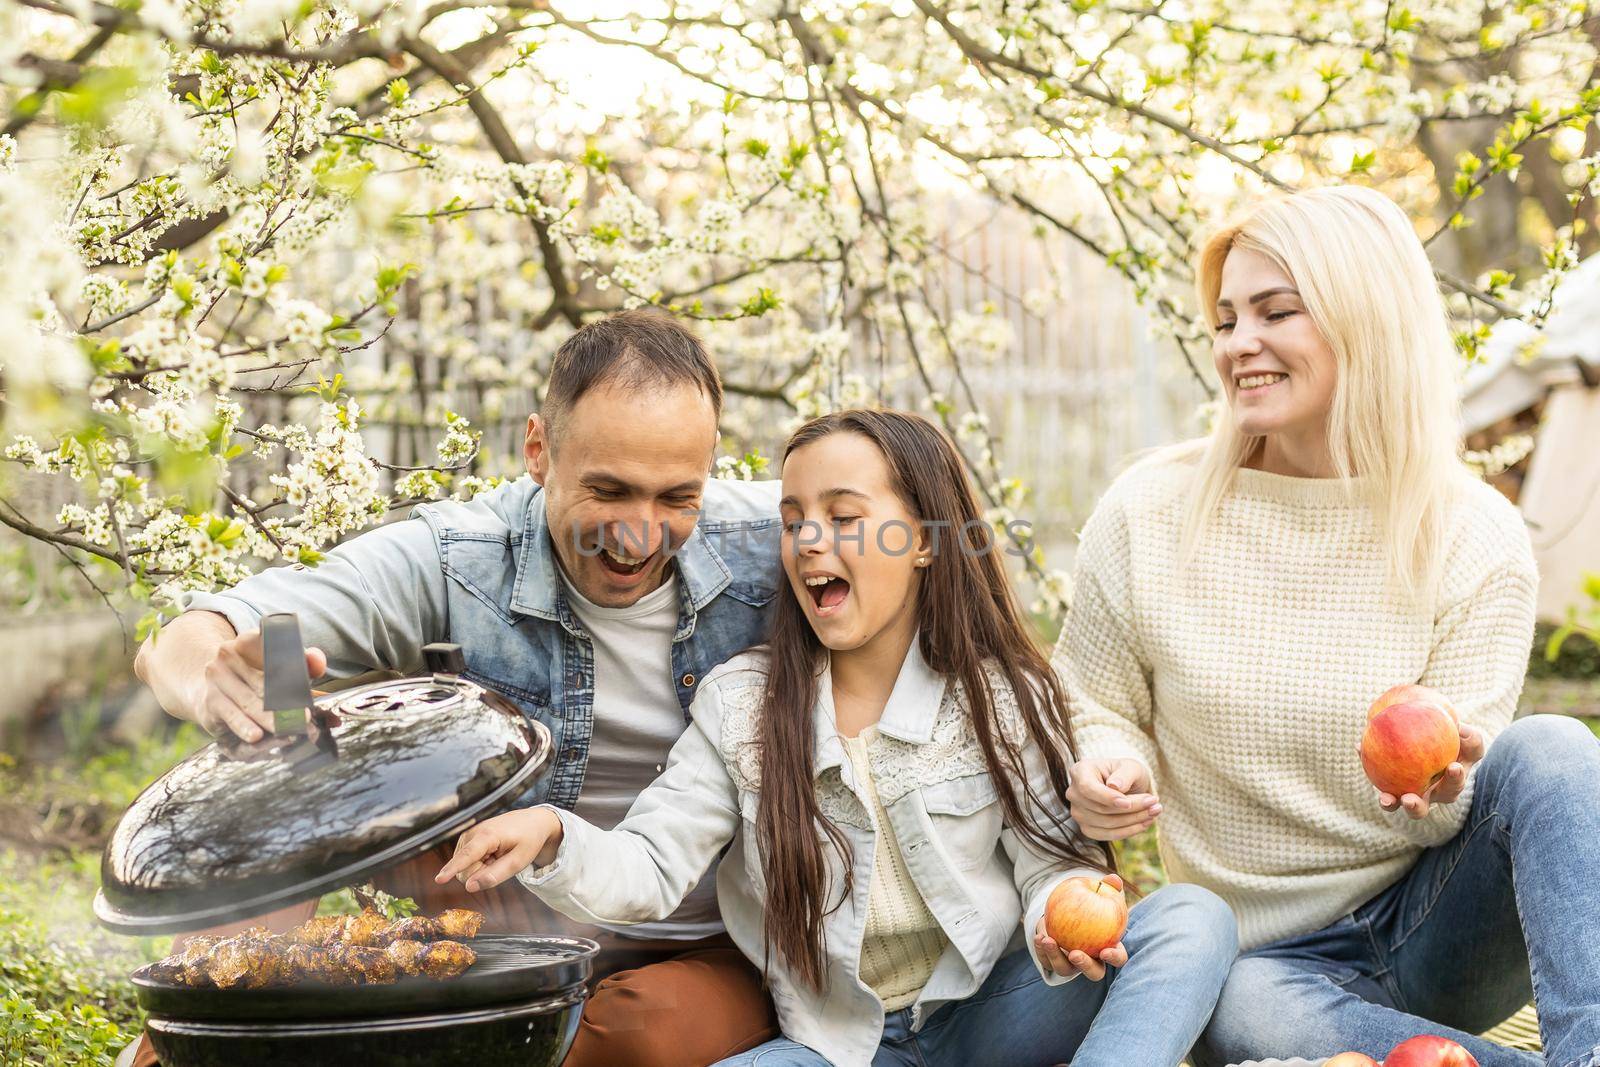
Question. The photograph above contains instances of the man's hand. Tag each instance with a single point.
(494, 851)
(200, 670)
(1067, 964)
(1449, 785)
(1111, 799)
(232, 691)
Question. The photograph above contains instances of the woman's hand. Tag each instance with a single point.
(1449, 785)
(1068, 963)
(1111, 799)
(494, 851)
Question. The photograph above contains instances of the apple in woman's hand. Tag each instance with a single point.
(1427, 1050)
(1410, 694)
(1412, 737)
(1351, 1059)
(1086, 914)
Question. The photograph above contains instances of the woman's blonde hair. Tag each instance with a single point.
(1394, 422)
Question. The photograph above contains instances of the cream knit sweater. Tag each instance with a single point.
(902, 942)
(1244, 682)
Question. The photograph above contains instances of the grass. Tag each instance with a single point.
(64, 996)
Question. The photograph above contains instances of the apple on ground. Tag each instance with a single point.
(1412, 737)
(1087, 914)
(1427, 1050)
(1351, 1059)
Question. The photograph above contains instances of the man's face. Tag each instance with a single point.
(623, 485)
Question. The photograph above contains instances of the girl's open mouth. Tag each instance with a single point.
(827, 593)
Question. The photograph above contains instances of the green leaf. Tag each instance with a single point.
(98, 96)
(763, 301)
(1552, 648)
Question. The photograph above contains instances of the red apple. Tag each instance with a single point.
(1086, 914)
(1351, 1059)
(1407, 746)
(1411, 694)
(1429, 1051)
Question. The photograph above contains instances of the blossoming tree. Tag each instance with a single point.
(237, 237)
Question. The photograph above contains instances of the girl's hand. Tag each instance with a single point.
(1110, 798)
(1067, 964)
(1448, 788)
(494, 851)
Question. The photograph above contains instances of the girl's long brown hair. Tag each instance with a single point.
(968, 618)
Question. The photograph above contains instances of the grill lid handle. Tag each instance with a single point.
(444, 660)
(286, 687)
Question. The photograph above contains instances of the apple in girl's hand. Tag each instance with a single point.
(1087, 914)
(1351, 1059)
(1412, 736)
(1429, 1051)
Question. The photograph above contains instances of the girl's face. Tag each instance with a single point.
(851, 548)
(1277, 371)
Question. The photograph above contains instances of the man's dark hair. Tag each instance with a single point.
(631, 350)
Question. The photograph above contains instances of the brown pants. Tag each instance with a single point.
(651, 1003)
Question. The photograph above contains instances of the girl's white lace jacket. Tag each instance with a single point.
(982, 882)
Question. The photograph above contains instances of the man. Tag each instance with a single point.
(596, 593)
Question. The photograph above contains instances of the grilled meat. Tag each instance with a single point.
(459, 924)
(407, 955)
(364, 949)
(414, 928)
(364, 929)
(308, 963)
(362, 965)
(192, 959)
(168, 970)
(249, 960)
(447, 959)
(319, 932)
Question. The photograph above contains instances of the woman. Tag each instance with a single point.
(1242, 600)
(890, 773)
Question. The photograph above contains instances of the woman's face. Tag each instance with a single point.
(850, 546)
(1277, 371)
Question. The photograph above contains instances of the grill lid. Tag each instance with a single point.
(377, 775)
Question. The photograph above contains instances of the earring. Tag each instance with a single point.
(922, 561)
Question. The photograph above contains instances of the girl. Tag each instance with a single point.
(1242, 601)
(888, 774)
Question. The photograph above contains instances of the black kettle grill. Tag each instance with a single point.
(345, 786)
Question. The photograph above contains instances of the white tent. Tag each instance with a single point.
(1560, 364)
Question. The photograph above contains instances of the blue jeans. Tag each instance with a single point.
(1507, 910)
(1180, 941)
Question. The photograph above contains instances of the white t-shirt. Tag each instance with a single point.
(637, 720)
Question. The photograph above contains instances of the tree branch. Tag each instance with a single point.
(68, 72)
(505, 146)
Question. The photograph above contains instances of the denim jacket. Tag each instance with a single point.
(982, 882)
(483, 574)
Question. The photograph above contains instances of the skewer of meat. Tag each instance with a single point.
(254, 961)
(370, 928)
(339, 949)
